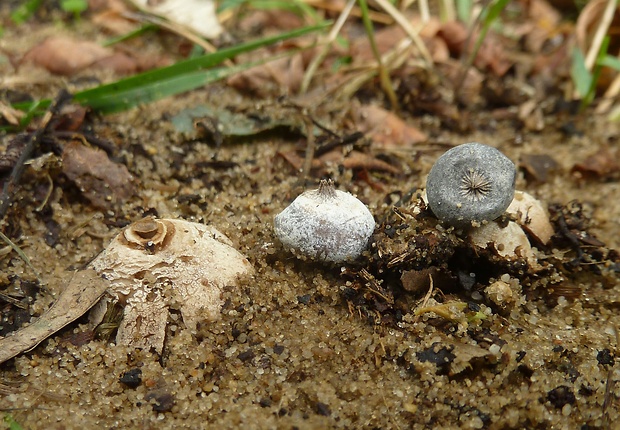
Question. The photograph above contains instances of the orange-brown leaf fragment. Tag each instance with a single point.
(386, 129)
(602, 164)
(105, 183)
(65, 56)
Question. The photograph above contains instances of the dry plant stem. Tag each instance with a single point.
(22, 255)
(332, 6)
(469, 59)
(33, 140)
(310, 148)
(384, 76)
(408, 28)
(425, 13)
(426, 298)
(175, 28)
(602, 30)
(610, 94)
(447, 11)
(318, 59)
(392, 59)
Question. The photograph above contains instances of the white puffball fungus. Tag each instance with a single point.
(532, 216)
(159, 264)
(325, 225)
(508, 241)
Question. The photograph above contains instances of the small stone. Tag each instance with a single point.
(501, 294)
(132, 378)
(469, 184)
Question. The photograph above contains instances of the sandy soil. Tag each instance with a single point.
(290, 350)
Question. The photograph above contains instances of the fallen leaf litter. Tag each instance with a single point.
(285, 353)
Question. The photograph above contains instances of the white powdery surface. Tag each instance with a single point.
(332, 226)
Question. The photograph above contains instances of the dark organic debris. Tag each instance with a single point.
(601, 165)
(605, 357)
(538, 167)
(438, 354)
(132, 378)
(105, 183)
(161, 398)
(561, 396)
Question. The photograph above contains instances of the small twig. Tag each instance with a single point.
(426, 298)
(33, 140)
(23, 256)
(107, 146)
(318, 59)
(602, 30)
(408, 28)
(384, 77)
(310, 148)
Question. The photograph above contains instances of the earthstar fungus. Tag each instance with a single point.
(326, 225)
(159, 264)
(469, 184)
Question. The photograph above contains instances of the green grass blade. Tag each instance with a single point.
(581, 76)
(189, 66)
(11, 423)
(25, 11)
(143, 29)
(111, 102)
(180, 77)
(610, 61)
(492, 14)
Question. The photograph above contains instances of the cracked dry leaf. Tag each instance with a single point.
(159, 264)
(82, 292)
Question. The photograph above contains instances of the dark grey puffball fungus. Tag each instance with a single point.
(470, 183)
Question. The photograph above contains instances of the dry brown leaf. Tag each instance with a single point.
(353, 160)
(491, 54)
(83, 291)
(111, 15)
(64, 56)
(386, 129)
(361, 160)
(269, 21)
(278, 77)
(542, 24)
(538, 167)
(602, 164)
(104, 183)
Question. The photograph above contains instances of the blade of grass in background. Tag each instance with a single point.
(295, 6)
(11, 423)
(491, 15)
(25, 11)
(579, 73)
(167, 81)
(584, 80)
(143, 29)
(384, 76)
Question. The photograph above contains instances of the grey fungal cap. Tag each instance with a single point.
(325, 225)
(470, 183)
